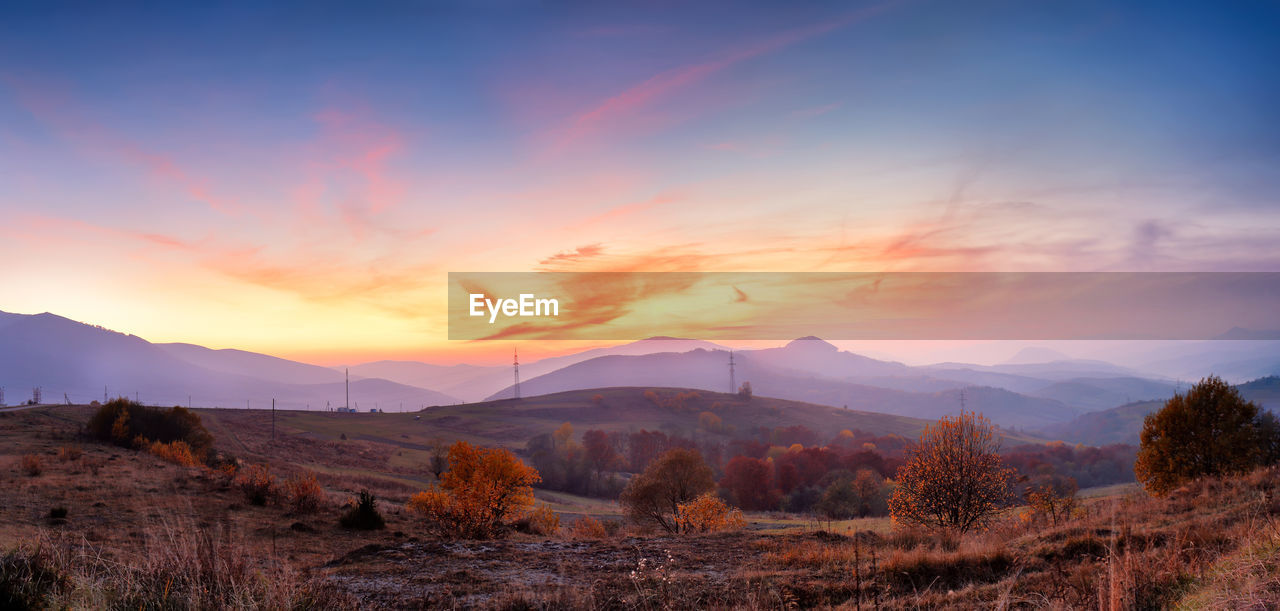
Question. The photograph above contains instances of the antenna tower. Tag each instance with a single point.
(35, 395)
(515, 368)
(733, 382)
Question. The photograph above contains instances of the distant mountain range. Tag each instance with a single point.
(64, 356)
(83, 362)
(1123, 424)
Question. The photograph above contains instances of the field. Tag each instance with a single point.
(140, 532)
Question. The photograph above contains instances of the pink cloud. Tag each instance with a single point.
(588, 124)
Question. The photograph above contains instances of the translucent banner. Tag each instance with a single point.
(863, 305)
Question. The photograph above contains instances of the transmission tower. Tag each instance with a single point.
(35, 395)
(2, 395)
(733, 382)
(515, 367)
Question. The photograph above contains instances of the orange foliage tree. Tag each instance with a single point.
(954, 477)
(1211, 430)
(481, 490)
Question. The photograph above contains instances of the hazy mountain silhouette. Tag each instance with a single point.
(1123, 424)
(476, 382)
(64, 356)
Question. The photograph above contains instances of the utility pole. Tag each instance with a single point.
(515, 364)
(733, 382)
(273, 418)
(104, 394)
(1, 395)
(348, 388)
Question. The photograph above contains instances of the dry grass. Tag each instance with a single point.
(140, 532)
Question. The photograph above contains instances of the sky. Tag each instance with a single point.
(299, 179)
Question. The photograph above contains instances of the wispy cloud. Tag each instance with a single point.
(585, 126)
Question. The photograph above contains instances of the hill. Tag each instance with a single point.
(511, 422)
(1123, 424)
(708, 370)
(84, 362)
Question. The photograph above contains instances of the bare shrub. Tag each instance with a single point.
(30, 464)
(69, 453)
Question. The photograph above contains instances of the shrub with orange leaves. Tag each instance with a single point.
(304, 493)
(482, 489)
(586, 527)
(176, 452)
(707, 513)
(954, 478)
(544, 520)
(69, 453)
(257, 484)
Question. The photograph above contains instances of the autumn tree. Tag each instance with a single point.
(654, 497)
(749, 482)
(954, 477)
(481, 490)
(1210, 430)
(601, 454)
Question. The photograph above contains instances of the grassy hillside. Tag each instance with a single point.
(133, 531)
(511, 422)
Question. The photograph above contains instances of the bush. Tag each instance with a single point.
(69, 453)
(304, 493)
(707, 513)
(176, 452)
(480, 491)
(544, 521)
(58, 513)
(257, 484)
(654, 497)
(28, 579)
(362, 513)
(121, 421)
(586, 527)
(30, 465)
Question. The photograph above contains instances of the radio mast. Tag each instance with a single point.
(515, 368)
(733, 383)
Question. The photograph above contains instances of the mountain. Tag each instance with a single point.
(252, 364)
(1036, 354)
(1092, 394)
(1231, 360)
(1122, 424)
(475, 382)
(708, 370)
(84, 362)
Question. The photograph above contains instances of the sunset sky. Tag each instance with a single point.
(299, 180)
